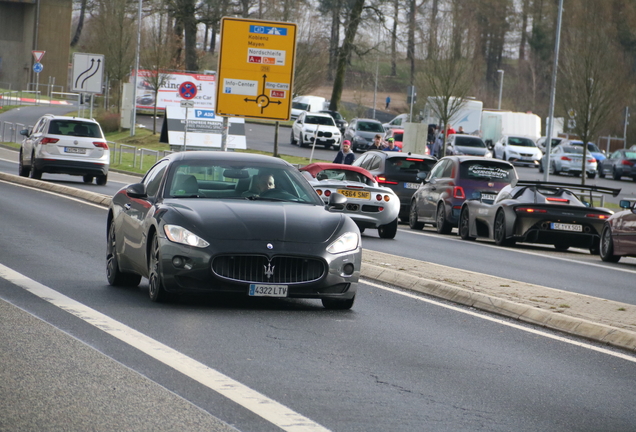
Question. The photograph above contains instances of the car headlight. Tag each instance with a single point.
(359, 139)
(488, 154)
(308, 130)
(513, 153)
(178, 234)
(347, 242)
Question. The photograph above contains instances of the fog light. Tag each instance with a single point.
(348, 269)
(178, 262)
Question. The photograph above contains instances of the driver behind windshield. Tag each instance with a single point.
(261, 182)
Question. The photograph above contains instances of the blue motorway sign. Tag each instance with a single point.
(203, 113)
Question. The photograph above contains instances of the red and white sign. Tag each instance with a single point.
(37, 55)
(278, 94)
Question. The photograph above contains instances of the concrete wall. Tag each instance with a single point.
(17, 40)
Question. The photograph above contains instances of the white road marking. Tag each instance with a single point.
(259, 404)
(541, 255)
(503, 322)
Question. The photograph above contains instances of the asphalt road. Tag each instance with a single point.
(395, 362)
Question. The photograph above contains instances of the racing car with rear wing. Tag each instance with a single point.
(538, 212)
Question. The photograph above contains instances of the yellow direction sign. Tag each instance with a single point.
(256, 68)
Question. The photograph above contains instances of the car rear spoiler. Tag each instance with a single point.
(582, 188)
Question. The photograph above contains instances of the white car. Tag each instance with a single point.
(397, 122)
(65, 145)
(518, 149)
(316, 126)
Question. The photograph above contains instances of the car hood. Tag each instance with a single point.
(255, 220)
(522, 149)
(324, 128)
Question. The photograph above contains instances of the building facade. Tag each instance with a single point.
(28, 25)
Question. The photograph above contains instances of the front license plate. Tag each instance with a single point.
(75, 150)
(412, 185)
(257, 290)
(355, 193)
(488, 196)
(566, 227)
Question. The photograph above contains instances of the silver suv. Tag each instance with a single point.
(65, 145)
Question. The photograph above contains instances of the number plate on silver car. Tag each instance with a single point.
(566, 227)
(75, 150)
(412, 185)
(491, 197)
(259, 290)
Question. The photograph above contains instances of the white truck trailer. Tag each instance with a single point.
(494, 124)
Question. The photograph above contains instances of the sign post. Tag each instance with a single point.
(186, 104)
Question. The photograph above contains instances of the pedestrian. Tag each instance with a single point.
(449, 130)
(377, 143)
(391, 145)
(346, 155)
(461, 130)
(388, 101)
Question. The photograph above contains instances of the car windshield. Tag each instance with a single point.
(396, 165)
(398, 136)
(487, 170)
(343, 175)
(230, 180)
(572, 149)
(469, 142)
(370, 127)
(521, 142)
(630, 155)
(319, 120)
(75, 128)
(334, 114)
(300, 106)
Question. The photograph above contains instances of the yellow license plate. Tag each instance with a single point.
(355, 193)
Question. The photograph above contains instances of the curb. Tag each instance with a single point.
(598, 332)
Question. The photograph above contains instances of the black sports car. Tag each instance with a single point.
(217, 222)
(537, 212)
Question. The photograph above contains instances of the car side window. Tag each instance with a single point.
(154, 176)
(39, 126)
(448, 169)
(437, 170)
(363, 161)
(374, 163)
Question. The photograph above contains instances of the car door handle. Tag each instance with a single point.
(127, 207)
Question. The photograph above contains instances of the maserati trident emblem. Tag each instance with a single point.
(269, 270)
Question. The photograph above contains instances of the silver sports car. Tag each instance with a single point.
(217, 222)
(369, 205)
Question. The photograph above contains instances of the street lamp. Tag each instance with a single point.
(500, 86)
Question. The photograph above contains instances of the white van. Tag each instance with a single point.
(306, 103)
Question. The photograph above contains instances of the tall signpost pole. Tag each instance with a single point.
(187, 90)
(548, 136)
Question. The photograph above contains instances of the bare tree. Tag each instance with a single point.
(112, 33)
(587, 87)
(344, 52)
(156, 59)
(448, 82)
(185, 14)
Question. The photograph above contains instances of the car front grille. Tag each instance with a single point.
(324, 134)
(258, 269)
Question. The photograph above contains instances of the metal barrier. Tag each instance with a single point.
(134, 151)
(141, 159)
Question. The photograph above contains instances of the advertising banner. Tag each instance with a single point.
(169, 92)
(204, 128)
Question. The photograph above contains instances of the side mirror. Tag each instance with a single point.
(137, 190)
(336, 202)
(24, 132)
(625, 204)
(421, 175)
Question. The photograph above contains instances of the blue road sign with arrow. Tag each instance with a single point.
(37, 67)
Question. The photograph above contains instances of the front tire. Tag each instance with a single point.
(606, 246)
(114, 275)
(442, 225)
(156, 290)
(338, 304)
(615, 174)
(389, 230)
(292, 139)
(464, 225)
(414, 224)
